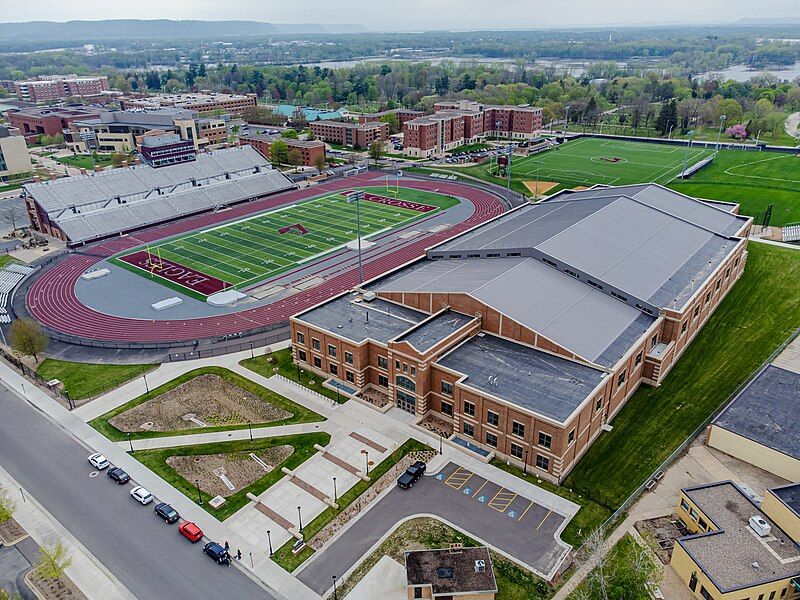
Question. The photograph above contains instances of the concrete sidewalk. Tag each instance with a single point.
(192, 439)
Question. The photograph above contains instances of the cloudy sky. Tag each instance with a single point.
(412, 14)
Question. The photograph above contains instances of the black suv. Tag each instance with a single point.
(118, 475)
(166, 512)
(217, 552)
(412, 475)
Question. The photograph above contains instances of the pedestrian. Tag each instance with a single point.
(238, 554)
(227, 546)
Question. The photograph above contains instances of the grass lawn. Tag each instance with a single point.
(282, 360)
(753, 179)
(300, 414)
(303, 446)
(6, 259)
(758, 314)
(284, 557)
(590, 516)
(85, 380)
(84, 161)
(10, 186)
(513, 582)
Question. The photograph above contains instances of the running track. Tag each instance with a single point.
(52, 300)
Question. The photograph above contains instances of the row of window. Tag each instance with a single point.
(333, 368)
(542, 462)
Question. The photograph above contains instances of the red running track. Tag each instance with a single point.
(52, 300)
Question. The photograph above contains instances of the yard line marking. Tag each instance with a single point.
(524, 512)
(550, 512)
(480, 488)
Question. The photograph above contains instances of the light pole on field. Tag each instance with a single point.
(721, 125)
(566, 119)
(686, 152)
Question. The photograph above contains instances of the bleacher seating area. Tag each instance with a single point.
(10, 276)
(791, 232)
(96, 205)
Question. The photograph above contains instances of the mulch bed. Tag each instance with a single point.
(55, 589)
(209, 398)
(239, 467)
(11, 532)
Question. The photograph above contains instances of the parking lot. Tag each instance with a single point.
(501, 518)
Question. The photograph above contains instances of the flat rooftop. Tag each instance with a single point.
(537, 381)
(727, 555)
(766, 411)
(451, 572)
(789, 495)
(358, 321)
(428, 334)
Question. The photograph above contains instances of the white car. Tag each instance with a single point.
(98, 461)
(140, 494)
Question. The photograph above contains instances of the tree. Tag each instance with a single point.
(279, 152)
(737, 132)
(117, 159)
(375, 150)
(289, 134)
(7, 506)
(667, 117)
(320, 163)
(27, 338)
(393, 121)
(53, 561)
(294, 158)
(11, 213)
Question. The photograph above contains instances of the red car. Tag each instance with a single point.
(190, 531)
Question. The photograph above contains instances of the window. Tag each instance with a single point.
(348, 358)
(545, 440)
(318, 362)
(469, 409)
(708, 297)
(383, 363)
(315, 344)
(405, 382)
(383, 381)
(491, 440)
(447, 388)
(693, 514)
(447, 409)
(702, 523)
(301, 338)
(417, 592)
(516, 451)
(693, 582)
(517, 429)
(492, 418)
(638, 360)
(302, 356)
(684, 506)
(683, 327)
(469, 429)
(405, 367)
(696, 311)
(719, 282)
(621, 379)
(704, 594)
(397, 365)
(736, 262)
(727, 272)
(598, 405)
(413, 371)
(654, 341)
(349, 376)
(331, 350)
(571, 437)
(542, 462)
(334, 369)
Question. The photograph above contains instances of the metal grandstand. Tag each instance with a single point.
(96, 205)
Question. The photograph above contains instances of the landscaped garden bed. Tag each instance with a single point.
(61, 588)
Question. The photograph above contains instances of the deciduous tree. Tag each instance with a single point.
(27, 338)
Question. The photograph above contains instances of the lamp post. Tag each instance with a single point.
(358, 221)
(335, 495)
(252, 352)
(146, 387)
(440, 442)
(130, 441)
(525, 466)
(269, 540)
(719, 133)
(366, 460)
(300, 519)
(566, 118)
(335, 596)
(199, 496)
(686, 152)
(250, 429)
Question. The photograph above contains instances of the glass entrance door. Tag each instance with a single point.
(406, 402)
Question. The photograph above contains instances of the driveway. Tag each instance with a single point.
(505, 520)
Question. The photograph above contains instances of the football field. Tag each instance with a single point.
(258, 247)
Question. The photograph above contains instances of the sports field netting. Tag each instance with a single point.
(256, 248)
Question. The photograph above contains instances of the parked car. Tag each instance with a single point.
(140, 494)
(99, 461)
(166, 512)
(119, 475)
(190, 531)
(217, 553)
(412, 475)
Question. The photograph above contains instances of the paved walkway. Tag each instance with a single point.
(386, 580)
(792, 123)
(222, 436)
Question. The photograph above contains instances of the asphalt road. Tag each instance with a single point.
(505, 520)
(149, 557)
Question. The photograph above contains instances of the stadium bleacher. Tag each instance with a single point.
(96, 205)
(10, 276)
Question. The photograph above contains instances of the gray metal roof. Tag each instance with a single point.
(766, 411)
(537, 381)
(428, 334)
(789, 495)
(574, 315)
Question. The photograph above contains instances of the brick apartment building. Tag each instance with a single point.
(310, 150)
(529, 332)
(463, 122)
(51, 89)
(203, 103)
(350, 134)
(403, 115)
(33, 122)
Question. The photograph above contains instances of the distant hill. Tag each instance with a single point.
(141, 29)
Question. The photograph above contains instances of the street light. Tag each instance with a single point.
(566, 118)
(146, 387)
(199, 497)
(721, 125)
(250, 429)
(525, 466)
(130, 442)
(440, 442)
(366, 459)
(686, 152)
(269, 539)
(335, 495)
(335, 596)
(300, 519)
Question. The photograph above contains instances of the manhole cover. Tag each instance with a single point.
(147, 426)
(94, 473)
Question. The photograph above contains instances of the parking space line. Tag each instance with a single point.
(460, 485)
(505, 496)
(524, 512)
(459, 478)
(549, 512)
(453, 474)
(480, 488)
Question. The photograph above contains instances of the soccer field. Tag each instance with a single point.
(255, 248)
(588, 161)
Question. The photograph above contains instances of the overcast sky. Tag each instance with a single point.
(387, 15)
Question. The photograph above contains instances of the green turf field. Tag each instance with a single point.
(754, 180)
(253, 249)
(589, 161)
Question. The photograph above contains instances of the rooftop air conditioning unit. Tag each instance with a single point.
(370, 296)
(760, 526)
(480, 566)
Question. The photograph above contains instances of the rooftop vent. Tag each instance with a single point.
(370, 296)
(480, 566)
(755, 566)
(456, 548)
(444, 572)
(760, 526)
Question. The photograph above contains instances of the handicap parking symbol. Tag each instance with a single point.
(467, 491)
(481, 498)
(512, 513)
(440, 476)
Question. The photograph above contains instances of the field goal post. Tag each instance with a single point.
(153, 264)
(395, 190)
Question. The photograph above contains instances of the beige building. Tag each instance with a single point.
(454, 573)
(14, 157)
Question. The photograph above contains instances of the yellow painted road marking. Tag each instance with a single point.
(524, 512)
(505, 496)
(453, 474)
(550, 512)
(460, 485)
(480, 488)
(458, 478)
